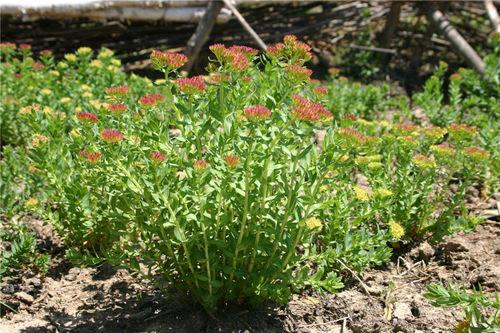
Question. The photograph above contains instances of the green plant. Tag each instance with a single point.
(240, 185)
(19, 249)
(475, 305)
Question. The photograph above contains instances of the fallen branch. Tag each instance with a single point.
(245, 25)
(444, 27)
(373, 49)
(492, 12)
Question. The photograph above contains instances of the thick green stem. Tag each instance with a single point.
(287, 214)
(245, 209)
(264, 182)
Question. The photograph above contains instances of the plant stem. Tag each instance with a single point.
(245, 209)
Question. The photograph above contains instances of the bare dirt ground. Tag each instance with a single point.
(389, 299)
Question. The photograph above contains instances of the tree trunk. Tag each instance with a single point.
(202, 33)
(391, 24)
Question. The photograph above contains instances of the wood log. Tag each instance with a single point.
(202, 33)
(444, 27)
(99, 13)
(391, 24)
(492, 12)
(245, 25)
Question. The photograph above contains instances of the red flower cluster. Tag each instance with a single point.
(257, 112)
(461, 131)
(477, 153)
(350, 117)
(117, 91)
(7, 46)
(299, 72)
(290, 50)
(110, 135)
(38, 66)
(321, 90)
(24, 47)
(237, 57)
(308, 110)
(168, 60)
(405, 128)
(232, 160)
(200, 165)
(157, 156)
(87, 117)
(191, 85)
(117, 107)
(46, 53)
(151, 100)
(92, 157)
(352, 136)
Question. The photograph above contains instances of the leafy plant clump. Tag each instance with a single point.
(481, 310)
(19, 250)
(239, 185)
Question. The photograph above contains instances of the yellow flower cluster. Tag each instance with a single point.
(361, 193)
(396, 230)
(70, 57)
(382, 192)
(31, 202)
(312, 223)
(83, 51)
(38, 139)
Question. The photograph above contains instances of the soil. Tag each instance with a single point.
(387, 299)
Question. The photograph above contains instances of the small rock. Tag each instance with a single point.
(425, 252)
(9, 288)
(72, 274)
(35, 282)
(452, 246)
(375, 290)
(402, 311)
(24, 297)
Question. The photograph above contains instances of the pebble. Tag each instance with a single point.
(9, 289)
(402, 311)
(24, 297)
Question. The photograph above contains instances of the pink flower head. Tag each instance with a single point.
(157, 156)
(299, 72)
(256, 113)
(91, 157)
(151, 100)
(405, 128)
(117, 107)
(46, 53)
(191, 85)
(321, 90)
(308, 110)
(7, 46)
(232, 160)
(334, 71)
(24, 47)
(38, 66)
(291, 50)
(200, 165)
(117, 91)
(350, 117)
(476, 153)
(87, 117)
(245, 50)
(168, 60)
(239, 61)
(219, 51)
(110, 135)
(461, 131)
(351, 136)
